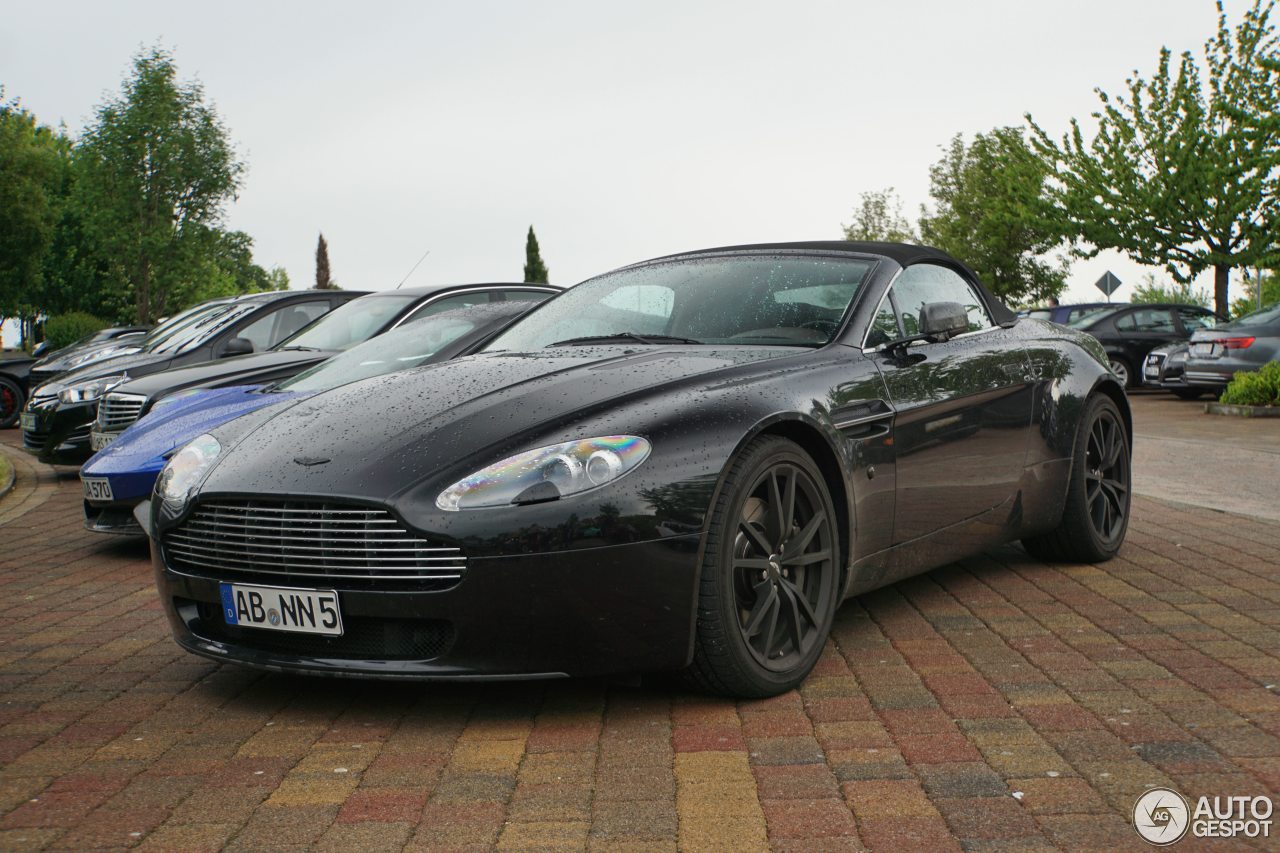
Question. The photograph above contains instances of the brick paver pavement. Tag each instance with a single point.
(998, 703)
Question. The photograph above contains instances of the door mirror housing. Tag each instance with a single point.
(237, 346)
(941, 321)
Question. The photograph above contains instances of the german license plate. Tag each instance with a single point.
(1151, 370)
(27, 420)
(304, 611)
(99, 440)
(96, 488)
(1202, 349)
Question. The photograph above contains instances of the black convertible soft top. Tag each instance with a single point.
(904, 254)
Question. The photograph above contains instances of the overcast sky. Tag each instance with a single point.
(619, 131)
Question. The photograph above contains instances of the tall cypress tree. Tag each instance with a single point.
(323, 280)
(534, 269)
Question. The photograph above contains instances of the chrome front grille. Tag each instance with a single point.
(304, 541)
(118, 411)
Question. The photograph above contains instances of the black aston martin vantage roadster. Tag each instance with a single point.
(684, 464)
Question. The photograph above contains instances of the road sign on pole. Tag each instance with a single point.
(1108, 284)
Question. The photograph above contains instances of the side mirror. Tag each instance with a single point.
(237, 346)
(940, 321)
(41, 349)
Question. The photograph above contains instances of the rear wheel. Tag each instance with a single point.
(11, 401)
(770, 574)
(1120, 367)
(1096, 515)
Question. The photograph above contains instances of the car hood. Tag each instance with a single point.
(386, 433)
(170, 426)
(71, 358)
(238, 370)
(139, 362)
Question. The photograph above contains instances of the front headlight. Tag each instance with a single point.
(187, 469)
(86, 392)
(547, 473)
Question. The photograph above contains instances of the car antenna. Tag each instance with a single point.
(415, 266)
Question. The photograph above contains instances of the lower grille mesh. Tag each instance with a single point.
(311, 542)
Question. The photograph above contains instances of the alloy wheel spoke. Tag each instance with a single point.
(794, 629)
(766, 598)
(802, 601)
(751, 564)
(805, 536)
(773, 624)
(807, 559)
(755, 537)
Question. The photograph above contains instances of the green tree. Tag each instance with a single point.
(324, 281)
(1249, 301)
(878, 217)
(1152, 290)
(34, 161)
(991, 209)
(1184, 174)
(534, 269)
(157, 169)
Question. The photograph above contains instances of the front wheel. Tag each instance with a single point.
(11, 402)
(770, 574)
(1096, 515)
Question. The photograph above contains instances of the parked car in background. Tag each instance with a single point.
(1067, 314)
(1128, 333)
(123, 474)
(685, 464)
(1245, 343)
(340, 329)
(1165, 368)
(20, 372)
(57, 420)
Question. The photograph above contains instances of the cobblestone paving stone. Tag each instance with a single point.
(1078, 686)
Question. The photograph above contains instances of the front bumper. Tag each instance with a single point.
(619, 608)
(60, 433)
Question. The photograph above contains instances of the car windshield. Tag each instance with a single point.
(777, 301)
(399, 349)
(200, 327)
(1264, 317)
(350, 324)
(165, 328)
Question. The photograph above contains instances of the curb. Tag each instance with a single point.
(7, 483)
(1242, 411)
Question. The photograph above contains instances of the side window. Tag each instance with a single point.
(448, 303)
(1193, 320)
(1146, 320)
(924, 283)
(884, 326)
(524, 295)
(274, 326)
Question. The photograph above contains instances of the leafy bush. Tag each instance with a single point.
(63, 329)
(1255, 388)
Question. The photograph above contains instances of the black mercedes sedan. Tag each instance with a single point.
(1128, 333)
(57, 421)
(685, 464)
(335, 332)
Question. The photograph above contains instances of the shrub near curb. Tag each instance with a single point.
(1252, 393)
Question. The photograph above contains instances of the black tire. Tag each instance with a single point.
(11, 402)
(1188, 394)
(774, 500)
(1121, 367)
(1096, 515)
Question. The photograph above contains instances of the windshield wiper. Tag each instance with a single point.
(297, 349)
(652, 340)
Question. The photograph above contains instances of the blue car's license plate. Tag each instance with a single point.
(305, 611)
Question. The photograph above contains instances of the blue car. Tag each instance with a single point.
(122, 475)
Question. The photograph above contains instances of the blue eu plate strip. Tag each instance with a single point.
(229, 604)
